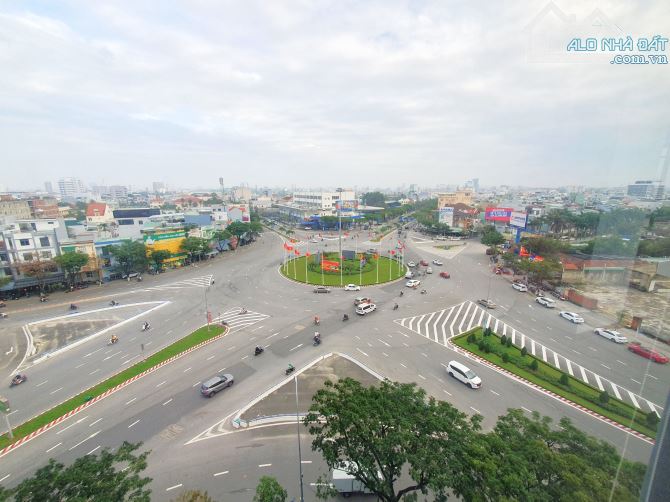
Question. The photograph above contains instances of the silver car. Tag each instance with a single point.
(216, 384)
(610, 334)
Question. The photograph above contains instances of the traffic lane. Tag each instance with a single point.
(13, 345)
(424, 362)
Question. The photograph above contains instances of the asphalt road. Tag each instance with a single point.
(165, 410)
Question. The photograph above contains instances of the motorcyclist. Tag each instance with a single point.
(402, 293)
(345, 317)
(243, 311)
(114, 339)
(290, 367)
(423, 291)
(146, 326)
(73, 306)
(258, 349)
(317, 321)
(395, 306)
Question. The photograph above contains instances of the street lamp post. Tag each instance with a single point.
(339, 225)
(297, 421)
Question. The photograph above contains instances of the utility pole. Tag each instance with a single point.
(297, 421)
(339, 217)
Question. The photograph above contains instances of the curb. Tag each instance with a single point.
(108, 392)
(565, 400)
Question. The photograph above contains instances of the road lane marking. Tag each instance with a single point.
(91, 425)
(621, 362)
(54, 391)
(494, 392)
(84, 440)
(604, 366)
(174, 487)
(53, 447)
(220, 473)
(652, 376)
(187, 369)
(40, 384)
(132, 400)
(167, 402)
(568, 337)
(91, 353)
(475, 410)
(211, 357)
(553, 340)
(128, 360)
(576, 352)
(195, 384)
(305, 461)
(231, 348)
(357, 337)
(526, 409)
(382, 341)
(639, 383)
(72, 424)
(79, 366)
(273, 334)
(245, 357)
(93, 450)
(223, 369)
(359, 350)
(296, 347)
(385, 354)
(134, 423)
(424, 354)
(405, 344)
(421, 376)
(264, 465)
(401, 364)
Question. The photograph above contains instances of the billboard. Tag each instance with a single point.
(501, 214)
(346, 206)
(446, 215)
(518, 219)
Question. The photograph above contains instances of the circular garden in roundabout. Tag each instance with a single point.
(323, 269)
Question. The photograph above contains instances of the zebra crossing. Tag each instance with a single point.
(238, 321)
(444, 324)
(196, 282)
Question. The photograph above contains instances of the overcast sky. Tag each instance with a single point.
(315, 93)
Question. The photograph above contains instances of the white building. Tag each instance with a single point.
(70, 187)
(241, 194)
(325, 203)
(647, 189)
(262, 202)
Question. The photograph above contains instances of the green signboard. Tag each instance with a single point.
(164, 237)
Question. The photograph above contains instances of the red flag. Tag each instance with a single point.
(392, 252)
(297, 252)
(308, 253)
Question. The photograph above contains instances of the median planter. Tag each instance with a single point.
(517, 361)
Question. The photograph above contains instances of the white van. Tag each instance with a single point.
(409, 274)
(464, 374)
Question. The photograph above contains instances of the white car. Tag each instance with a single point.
(413, 283)
(464, 374)
(352, 287)
(429, 270)
(438, 263)
(411, 264)
(366, 308)
(520, 287)
(571, 316)
(409, 274)
(547, 302)
(610, 334)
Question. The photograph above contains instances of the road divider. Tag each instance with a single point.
(45, 421)
(489, 347)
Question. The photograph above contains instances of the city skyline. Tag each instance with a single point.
(382, 93)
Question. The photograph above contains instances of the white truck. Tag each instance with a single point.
(346, 484)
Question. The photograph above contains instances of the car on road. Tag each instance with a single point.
(314, 241)
(571, 316)
(486, 303)
(413, 283)
(321, 289)
(132, 275)
(438, 263)
(216, 384)
(519, 286)
(424, 263)
(429, 270)
(610, 334)
(409, 274)
(361, 299)
(445, 275)
(648, 353)
(464, 374)
(411, 264)
(547, 302)
(366, 308)
(352, 287)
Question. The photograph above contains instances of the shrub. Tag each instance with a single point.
(487, 331)
(508, 342)
(604, 397)
(503, 340)
(564, 380)
(481, 345)
(534, 364)
(524, 351)
(487, 347)
(505, 357)
(472, 338)
(652, 420)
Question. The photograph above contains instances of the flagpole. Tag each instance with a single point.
(322, 254)
(306, 258)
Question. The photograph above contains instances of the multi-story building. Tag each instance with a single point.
(13, 209)
(92, 271)
(44, 208)
(117, 192)
(159, 187)
(70, 187)
(241, 194)
(48, 187)
(324, 203)
(647, 189)
(449, 199)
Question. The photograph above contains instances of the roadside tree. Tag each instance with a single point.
(158, 257)
(269, 490)
(71, 263)
(195, 247)
(492, 238)
(130, 256)
(38, 269)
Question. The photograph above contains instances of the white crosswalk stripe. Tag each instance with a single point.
(237, 321)
(197, 282)
(443, 324)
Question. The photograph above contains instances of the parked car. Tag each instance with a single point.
(429, 270)
(366, 308)
(571, 316)
(519, 286)
(464, 374)
(445, 275)
(216, 384)
(558, 294)
(486, 303)
(438, 263)
(648, 353)
(610, 334)
(547, 302)
(411, 264)
(352, 287)
(424, 263)
(412, 283)
(321, 289)
(362, 299)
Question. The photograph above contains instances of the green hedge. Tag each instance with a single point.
(487, 345)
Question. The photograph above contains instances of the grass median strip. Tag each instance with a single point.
(198, 336)
(515, 360)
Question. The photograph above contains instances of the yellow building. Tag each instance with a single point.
(92, 270)
(449, 199)
(168, 240)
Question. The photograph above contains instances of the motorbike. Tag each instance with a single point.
(43, 299)
(3, 304)
(423, 291)
(3, 315)
(146, 327)
(402, 293)
(395, 307)
(317, 322)
(258, 351)
(345, 317)
(112, 341)
(114, 303)
(317, 341)
(243, 311)
(18, 379)
(289, 370)
(73, 306)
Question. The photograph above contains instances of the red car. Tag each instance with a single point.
(424, 263)
(445, 275)
(640, 350)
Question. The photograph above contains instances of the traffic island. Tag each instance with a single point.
(278, 405)
(364, 270)
(45, 421)
(499, 351)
